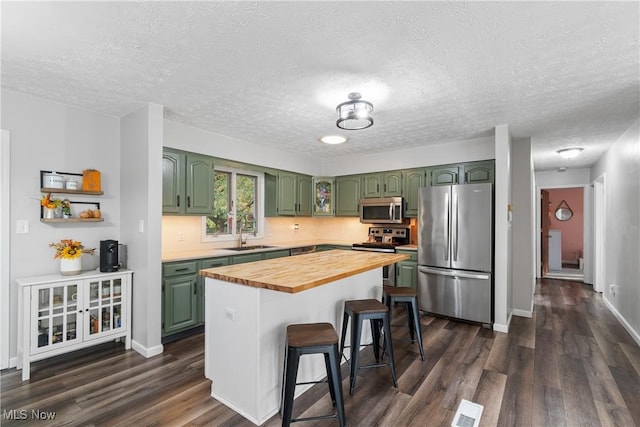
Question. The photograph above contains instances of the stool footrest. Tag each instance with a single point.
(313, 382)
(319, 417)
(373, 365)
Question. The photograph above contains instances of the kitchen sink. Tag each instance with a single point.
(249, 248)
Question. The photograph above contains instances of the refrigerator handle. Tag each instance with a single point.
(454, 273)
(447, 212)
(454, 228)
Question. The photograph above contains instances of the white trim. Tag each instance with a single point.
(259, 208)
(147, 352)
(523, 313)
(599, 232)
(538, 226)
(498, 327)
(634, 334)
(5, 249)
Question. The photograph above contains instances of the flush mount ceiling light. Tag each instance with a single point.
(354, 114)
(333, 139)
(569, 153)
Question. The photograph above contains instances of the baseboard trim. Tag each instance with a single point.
(498, 327)
(523, 313)
(147, 352)
(634, 334)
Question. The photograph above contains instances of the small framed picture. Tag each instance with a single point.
(323, 196)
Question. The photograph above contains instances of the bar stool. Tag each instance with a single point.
(408, 297)
(378, 315)
(311, 338)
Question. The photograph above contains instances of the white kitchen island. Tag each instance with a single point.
(248, 307)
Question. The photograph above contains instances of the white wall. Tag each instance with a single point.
(568, 179)
(621, 163)
(523, 224)
(141, 193)
(430, 154)
(188, 138)
(47, 135)
(503, 284)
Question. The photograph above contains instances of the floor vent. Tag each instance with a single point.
(467, 415)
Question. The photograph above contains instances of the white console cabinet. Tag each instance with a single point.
(59, 314)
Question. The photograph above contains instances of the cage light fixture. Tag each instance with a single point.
(570, 153)
(354, 114)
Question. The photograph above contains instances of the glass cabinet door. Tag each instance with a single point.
(57, 321)
(105, 306)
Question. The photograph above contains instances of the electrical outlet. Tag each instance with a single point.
(230, 313)
(181, 236)
(612, 290)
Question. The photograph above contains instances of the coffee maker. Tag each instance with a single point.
(109, 255)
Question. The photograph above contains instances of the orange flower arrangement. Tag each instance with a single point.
(70, 249)
(50, 203)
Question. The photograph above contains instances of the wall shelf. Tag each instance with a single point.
(65, 191)
(69, 220)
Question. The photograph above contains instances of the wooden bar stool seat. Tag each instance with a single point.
(378, 314)
(311, 338)
(408, 297)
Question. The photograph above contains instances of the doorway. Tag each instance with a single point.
(562, 233)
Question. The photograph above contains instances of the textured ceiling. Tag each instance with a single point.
(563, 73)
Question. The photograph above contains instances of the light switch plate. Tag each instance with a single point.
(22, 226)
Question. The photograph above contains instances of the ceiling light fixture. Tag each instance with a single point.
(570, 153)
(354, 114)
(333, 139)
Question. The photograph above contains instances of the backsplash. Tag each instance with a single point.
(184, 233)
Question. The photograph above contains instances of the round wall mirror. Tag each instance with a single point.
(563, 212)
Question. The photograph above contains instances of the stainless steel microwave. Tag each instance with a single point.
(387, 210)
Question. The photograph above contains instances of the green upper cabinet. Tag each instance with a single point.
(348, 195)
(173, 186)
(382, 184)
(478, 172)
(305, 195)
(293, 194)
(187, 183)
(413, 180)
(199, 185)
(371, 185)
(445, 175)
(392, 184)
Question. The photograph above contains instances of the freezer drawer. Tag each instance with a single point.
(459, 294)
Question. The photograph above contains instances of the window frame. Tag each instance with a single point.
(259, 207)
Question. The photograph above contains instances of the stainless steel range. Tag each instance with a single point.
(385, 239)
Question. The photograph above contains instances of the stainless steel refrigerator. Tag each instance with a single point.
(455, 251)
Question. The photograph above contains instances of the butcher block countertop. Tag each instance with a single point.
(302, 272)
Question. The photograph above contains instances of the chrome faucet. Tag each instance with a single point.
(241, 242)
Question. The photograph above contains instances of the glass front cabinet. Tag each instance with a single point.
(63, 314)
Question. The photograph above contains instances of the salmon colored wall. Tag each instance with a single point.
(572, 230)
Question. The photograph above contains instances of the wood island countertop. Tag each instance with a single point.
(302, 272)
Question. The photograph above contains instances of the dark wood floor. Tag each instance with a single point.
(572, 364)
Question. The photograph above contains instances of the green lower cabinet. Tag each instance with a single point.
(276, 254)
(407, 271)
(179, 303)
(240, 259)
